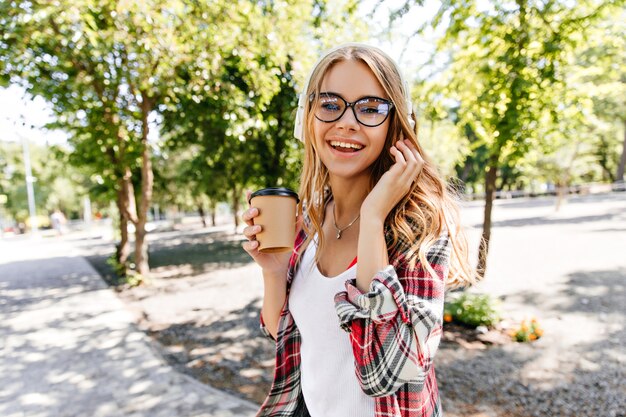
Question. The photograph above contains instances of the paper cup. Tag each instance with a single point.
(277, 217)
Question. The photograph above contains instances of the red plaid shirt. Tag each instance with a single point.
(394, 329)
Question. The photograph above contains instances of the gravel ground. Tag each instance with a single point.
(566, 268)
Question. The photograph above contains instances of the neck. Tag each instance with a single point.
(348, 195)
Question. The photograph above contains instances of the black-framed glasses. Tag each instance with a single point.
(369, 111)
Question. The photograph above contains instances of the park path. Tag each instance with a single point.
(68, 346)
(568, 269)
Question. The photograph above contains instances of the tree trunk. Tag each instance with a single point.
(235, 205)
(147, 181)
(490, 188)
(622, 161)
(213, 208)
(561, 193)
(129, 205)
(128, 213)
(123, 249)
(201, 213)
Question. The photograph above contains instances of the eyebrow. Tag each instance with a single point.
(354, 101)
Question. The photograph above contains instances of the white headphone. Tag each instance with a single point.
(298, 129)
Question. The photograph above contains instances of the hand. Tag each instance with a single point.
(395, 183)
(272, 263)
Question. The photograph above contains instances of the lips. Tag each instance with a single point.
(344, 145)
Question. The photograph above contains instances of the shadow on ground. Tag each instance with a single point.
(228, 352)
(493, 379)
(38, 291)
(512, 380)
(599, 292)
(546, 221)
(176, 256)
(68, 349)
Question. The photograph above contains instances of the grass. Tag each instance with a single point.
(180, 255)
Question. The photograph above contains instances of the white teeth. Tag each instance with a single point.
(345, 145)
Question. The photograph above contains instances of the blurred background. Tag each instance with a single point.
(142, 111)
(134, 129)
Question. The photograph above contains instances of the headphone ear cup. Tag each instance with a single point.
(409, 103)
(297, 130)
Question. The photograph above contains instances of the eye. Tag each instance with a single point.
(370, 109)
(372, 106)
(330, 104)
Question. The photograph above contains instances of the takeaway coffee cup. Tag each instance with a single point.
(277, 217)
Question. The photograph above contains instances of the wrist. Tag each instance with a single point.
(372, 218)
(274, 276)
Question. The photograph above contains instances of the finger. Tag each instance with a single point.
(416, 155)
(399, 165)
(409, 156)
(414, 150)
(398, 156)
(249, 215)
(251, 247)
(401, 157)
(251, 231)
(413, 165)
(418, 158)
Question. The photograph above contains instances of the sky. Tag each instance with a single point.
(21, 116)
(409, 51)
(24, 117)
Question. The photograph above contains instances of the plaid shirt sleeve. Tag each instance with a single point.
(264, 330)
(395, 327)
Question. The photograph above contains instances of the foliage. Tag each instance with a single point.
(118, 269)
(473, 310)
(218, 75)
(527, 332)
(123, 276)
(505, 76)
(238, 135)
(56, 186)
(528, 86)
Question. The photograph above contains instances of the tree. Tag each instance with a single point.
(239, 134)
(56, 186)
(601, 77)
(66, 54)
(107, 67)
(502, 60)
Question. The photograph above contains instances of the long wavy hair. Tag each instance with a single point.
(428, 210)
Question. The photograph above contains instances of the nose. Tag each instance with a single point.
(348, 120)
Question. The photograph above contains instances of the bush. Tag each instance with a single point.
(473, 310)
(123, 275)
(526, 332)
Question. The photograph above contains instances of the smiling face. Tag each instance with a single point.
(346, 147)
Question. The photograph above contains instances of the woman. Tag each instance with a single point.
(356, 310)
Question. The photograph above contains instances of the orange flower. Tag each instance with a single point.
(447, 317)
(532, 336)
(539, 332)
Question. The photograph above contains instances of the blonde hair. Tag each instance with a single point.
(428, 210)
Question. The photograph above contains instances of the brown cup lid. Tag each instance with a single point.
(280, 191)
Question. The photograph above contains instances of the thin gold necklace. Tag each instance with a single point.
(340, 230)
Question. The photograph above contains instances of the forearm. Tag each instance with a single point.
(275, 293)
(371, 252)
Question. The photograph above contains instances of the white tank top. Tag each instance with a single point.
(327, 374)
